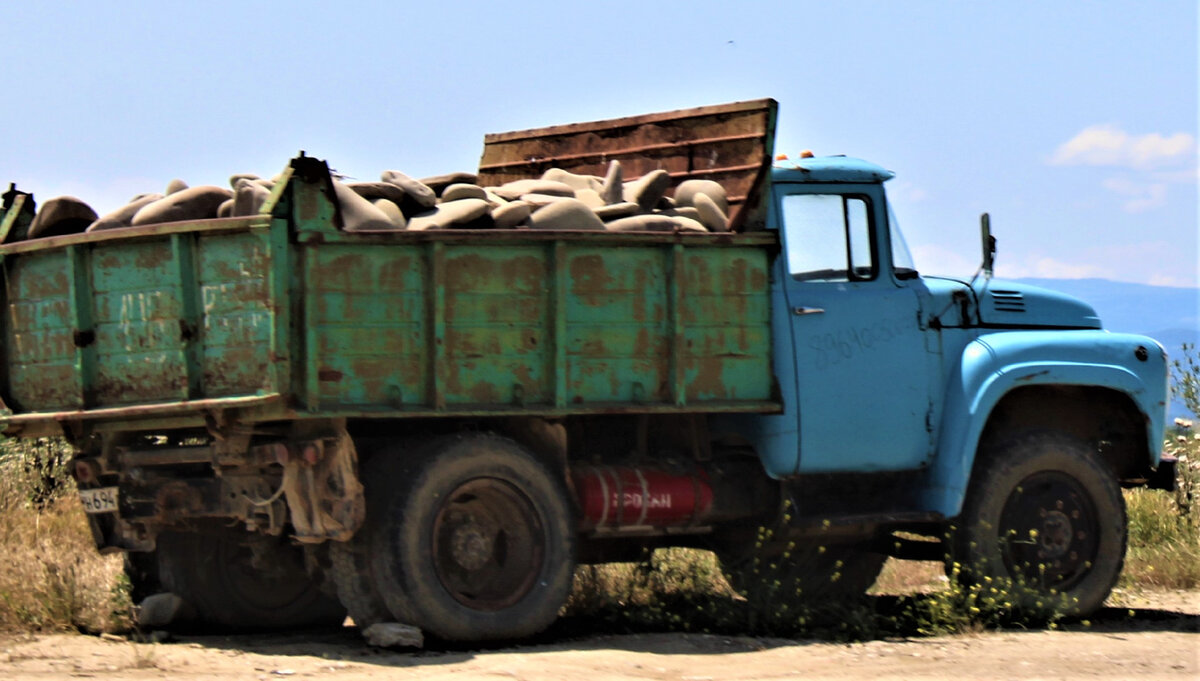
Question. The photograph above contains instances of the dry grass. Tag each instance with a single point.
(1164, 529)
(51, 577)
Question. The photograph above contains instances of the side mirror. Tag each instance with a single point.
(989, 243)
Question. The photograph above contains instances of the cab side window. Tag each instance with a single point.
(828, 237)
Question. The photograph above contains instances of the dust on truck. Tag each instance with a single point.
(280, 420)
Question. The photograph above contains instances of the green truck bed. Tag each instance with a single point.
(282, 315)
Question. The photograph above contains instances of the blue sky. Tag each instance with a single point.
(1073, 123)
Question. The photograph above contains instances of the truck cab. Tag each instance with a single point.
(928, 404)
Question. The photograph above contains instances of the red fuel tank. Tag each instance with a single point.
(619, 497)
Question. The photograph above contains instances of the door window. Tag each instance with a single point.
(828, 237)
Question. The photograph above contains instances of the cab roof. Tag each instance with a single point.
(829, 169)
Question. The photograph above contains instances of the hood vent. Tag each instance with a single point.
(1007, 301)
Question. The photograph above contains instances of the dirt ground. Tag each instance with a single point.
(1146, 636)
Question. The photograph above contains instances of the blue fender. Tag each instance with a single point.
(994, 364)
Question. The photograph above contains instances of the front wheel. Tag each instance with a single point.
(1045, 516)
(478, 544)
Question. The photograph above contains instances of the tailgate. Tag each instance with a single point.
(729, 143)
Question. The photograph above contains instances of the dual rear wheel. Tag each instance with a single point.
(472, 539)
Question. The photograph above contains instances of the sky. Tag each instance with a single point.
(1074, 124)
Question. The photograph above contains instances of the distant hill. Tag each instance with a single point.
(1168, 314)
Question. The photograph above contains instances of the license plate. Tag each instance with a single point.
(101, 500)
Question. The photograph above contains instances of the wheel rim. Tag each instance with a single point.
(488, 544)
(1049, 531)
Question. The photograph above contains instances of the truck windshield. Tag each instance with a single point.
(902, 261)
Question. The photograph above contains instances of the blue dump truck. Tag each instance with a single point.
(280, 417)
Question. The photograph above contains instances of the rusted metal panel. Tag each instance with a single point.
(729, 143)
(285, 316)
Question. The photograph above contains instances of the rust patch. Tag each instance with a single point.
(708, 382)
(329, 375)
(476, 273)
(590, 279)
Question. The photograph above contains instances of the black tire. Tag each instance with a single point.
(1046, 516)
(350, 571)
(214, 574)
(478, 544)
(350, 562)
(808, 572)
(141, 568)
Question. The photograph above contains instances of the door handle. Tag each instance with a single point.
(807, 310)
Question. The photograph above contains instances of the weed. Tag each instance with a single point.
(51, 577)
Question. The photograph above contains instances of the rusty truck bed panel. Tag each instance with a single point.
(729, 143)
(285, 316)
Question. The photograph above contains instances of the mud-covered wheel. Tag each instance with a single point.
(219, 576)
(478, 544)
(350, 561)
(809, 572)
(350, 570)
(1045, 516)
(141, 569)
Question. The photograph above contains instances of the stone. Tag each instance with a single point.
(61, 215)
(248, 198)
(163, 609)
(359, 214)
(393, 212)
(193, 203)
(123, 216)
(379, 190)
(418, 195)
(439, 182)
(590, 197)
(225, 210)
(651, 222)
(612, 188)
(689, 212)
(568, 214)
(462, 190)
(460, 214)
(710, 213)
(234, 179)
(514, 190)
(536, 201)
(686, 191)
(511, 215)
(685, 224)
(393, 635)
(576, 182)
(647, 189)
(175, 186)
(614, 211)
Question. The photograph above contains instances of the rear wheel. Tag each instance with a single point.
(479, 544)
(1045, 515)
(235, 586)
(350, 561)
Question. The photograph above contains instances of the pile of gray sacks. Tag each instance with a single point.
(559, 200)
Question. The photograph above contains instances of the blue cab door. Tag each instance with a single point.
(862, 371)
